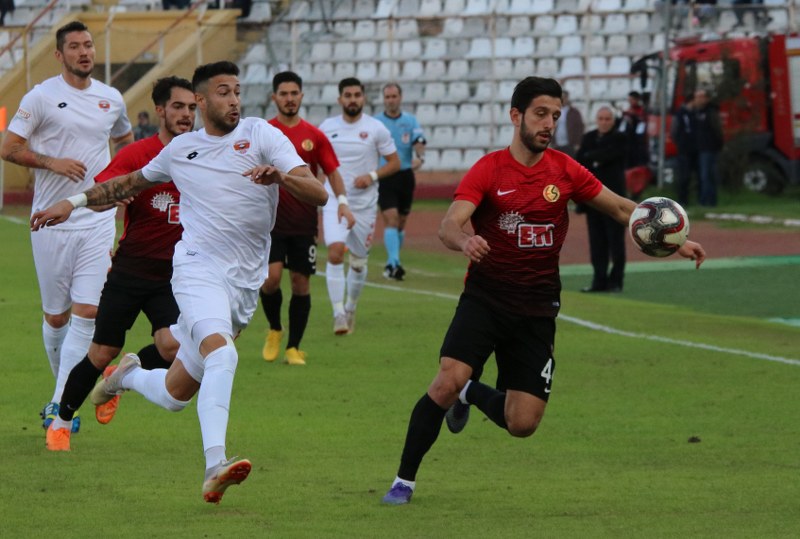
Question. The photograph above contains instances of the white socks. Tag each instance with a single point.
(463, 395)
(214, 400)
(152, 386)
(334, 276)
(53, 337)
(411, 484)
(73, 350)
(355, 283)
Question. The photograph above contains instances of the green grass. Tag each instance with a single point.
(612, 458)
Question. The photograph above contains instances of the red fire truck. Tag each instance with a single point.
(756, 83)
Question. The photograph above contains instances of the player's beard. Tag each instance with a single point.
(76, 70)
(529, 139)
(353, 110)
(289, 113)
(221, 122)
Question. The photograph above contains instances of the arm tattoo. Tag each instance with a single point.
(119, 188)
(22, 156)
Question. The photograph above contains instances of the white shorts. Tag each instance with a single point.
(359, 238)
(72, 265)
(204, 295)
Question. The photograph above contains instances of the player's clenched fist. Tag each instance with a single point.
(476, 248)
(263, 174)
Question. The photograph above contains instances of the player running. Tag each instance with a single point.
(516, 202)
(294, 237)
(359, 141)
(228, 175)
(139, 279)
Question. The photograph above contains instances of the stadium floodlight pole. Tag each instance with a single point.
(662, 104)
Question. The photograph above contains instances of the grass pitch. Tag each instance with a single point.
(691, 435)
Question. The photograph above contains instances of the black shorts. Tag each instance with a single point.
(397, 191)
(121, 301)
(297, 253)
(523, 345)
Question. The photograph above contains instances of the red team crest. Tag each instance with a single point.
(104, 105)
(241, 146)
(363, 135)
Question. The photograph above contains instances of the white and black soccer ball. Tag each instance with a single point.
(659, 226)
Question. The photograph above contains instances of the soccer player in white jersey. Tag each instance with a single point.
(228, 175)
(61, 130)
(359, 141)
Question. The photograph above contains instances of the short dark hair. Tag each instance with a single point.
(635, 94)
(162, 89)
(393, 85)
(61, 33)
(286, 76)
(206, 72)
(349, 81)
(530, 88)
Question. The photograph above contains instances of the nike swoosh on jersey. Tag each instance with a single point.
(502, 193)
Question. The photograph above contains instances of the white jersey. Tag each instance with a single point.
(226, 217)
(61, 121)
(359, 147)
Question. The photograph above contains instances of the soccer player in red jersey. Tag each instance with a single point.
(294, 236)
(516, 201)
(139, 278)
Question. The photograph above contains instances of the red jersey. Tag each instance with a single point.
(295, 218)
(152, 225)
(522, 213)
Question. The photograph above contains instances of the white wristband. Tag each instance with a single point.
(374, 175)
(342, 200)
(78, 201)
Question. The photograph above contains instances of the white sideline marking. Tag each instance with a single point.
(610, 330)
(15, 220)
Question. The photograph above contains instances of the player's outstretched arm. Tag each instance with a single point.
(15, 150)
(453, 234)
(102, 194)
(617, 207)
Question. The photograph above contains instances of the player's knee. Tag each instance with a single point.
(57, 321)
(357, 263)
(522, 427)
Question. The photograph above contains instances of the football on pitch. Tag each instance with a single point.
(659, 226)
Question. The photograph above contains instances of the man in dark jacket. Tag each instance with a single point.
(570, 128)
(603, 152)
(708, 141)
(683, 134)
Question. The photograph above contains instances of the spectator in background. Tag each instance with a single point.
(570, 130)
(6, 6)
(602, 152)
(634, 125)
(396, 192)
(741, 7)
(144, 128)
(683, 133)
(708, 142)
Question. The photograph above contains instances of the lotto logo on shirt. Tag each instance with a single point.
(104, 105)
(241, 146)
